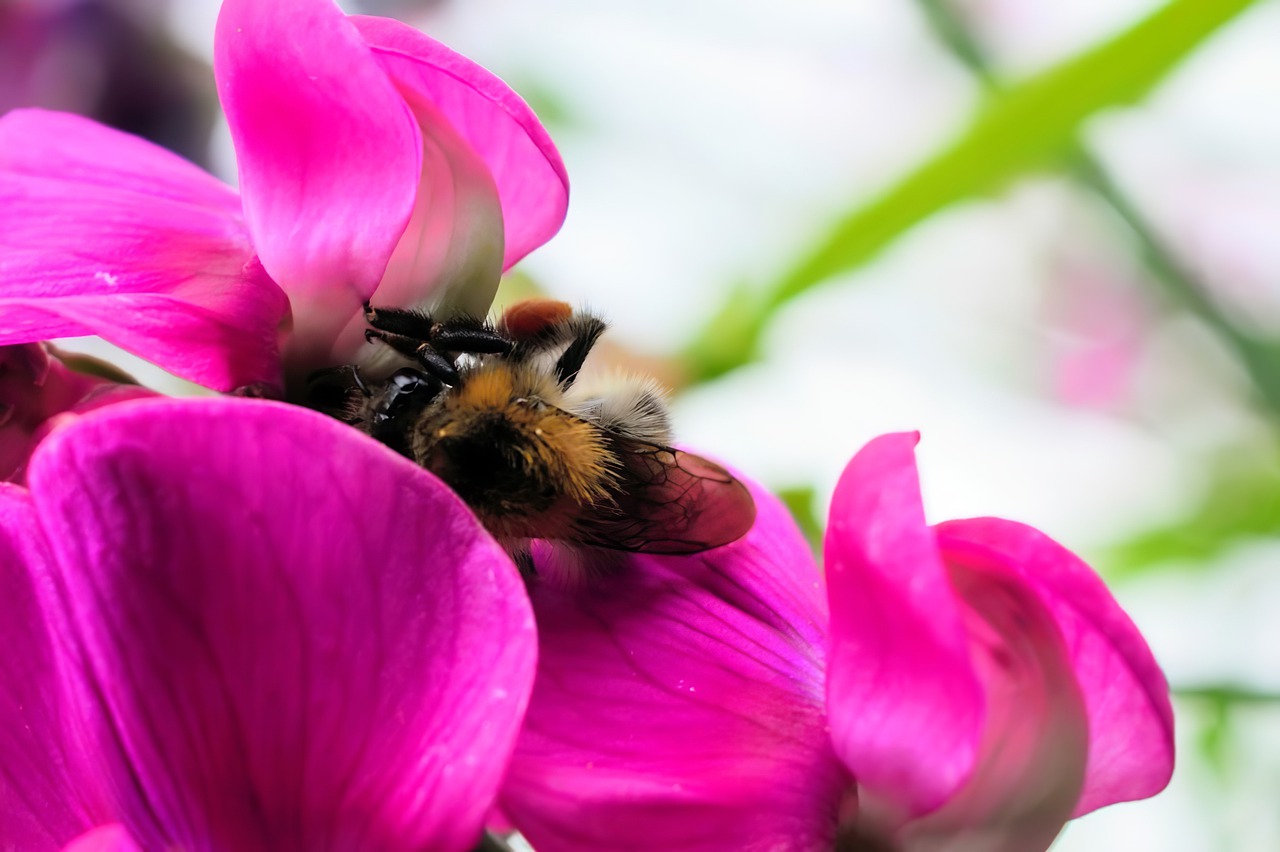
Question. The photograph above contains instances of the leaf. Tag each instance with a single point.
(1029, 125)
(799, 500)
(1241, 502)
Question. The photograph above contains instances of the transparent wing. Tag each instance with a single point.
(668, 502)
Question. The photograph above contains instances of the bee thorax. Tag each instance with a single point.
(518, 461)
(487, 460)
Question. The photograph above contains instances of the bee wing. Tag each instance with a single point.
(670, 502)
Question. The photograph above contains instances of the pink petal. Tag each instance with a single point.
(102, 233)
(300, 639)
(1130, 753)
(678, 705)
(449, 260)
(1031, 762)
(38, 393)
(44, 144)
(328, 152)
(108, 838)
(906, 707)
(47, 794)
(26, 402)
(492, 119)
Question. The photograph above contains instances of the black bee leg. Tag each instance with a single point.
(431, 361)
(587, 330)
(463, 334)
(470, 336)
(407, 323)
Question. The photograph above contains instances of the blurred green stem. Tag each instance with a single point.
(1026, 126)
(1260, 359)
(1226, 694)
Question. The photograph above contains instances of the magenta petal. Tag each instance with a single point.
(300, 639)
(1031, 763)
(44, 144)
(46, 792)
(905, 705)
(679, 705)
(328, 152)
(108, 838)
(498, 125)
(1125, 693)
(102, 233)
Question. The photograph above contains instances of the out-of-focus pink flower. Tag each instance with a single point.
(1100, 327)
(38, 393)
(967, 686)
(212, 673)
(373, 162)
(111, 60)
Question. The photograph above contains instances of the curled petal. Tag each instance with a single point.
(328, 152)
(102, 233)
(1030, 765)
(905, 704)
(297, 639)
(449, 260)
(1126, 696)
(491, 119)
(678, 705)
(47, 793)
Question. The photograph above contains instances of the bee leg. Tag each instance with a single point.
(463, 334)
(431, 361)
(586, 330)
(408, 323)
(470, 336)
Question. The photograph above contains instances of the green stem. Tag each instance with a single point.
(1026, 126)
(1260, 359)
(953, 32)
(1227, 694)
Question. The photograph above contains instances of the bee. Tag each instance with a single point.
(495, 411)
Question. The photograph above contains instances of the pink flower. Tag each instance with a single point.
(38, 393)
(115, 60)
(968, 686)
(372, 160)
(216, 638)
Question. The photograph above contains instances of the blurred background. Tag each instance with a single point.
(1045, 235)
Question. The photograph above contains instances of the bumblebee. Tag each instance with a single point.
(495, 411)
